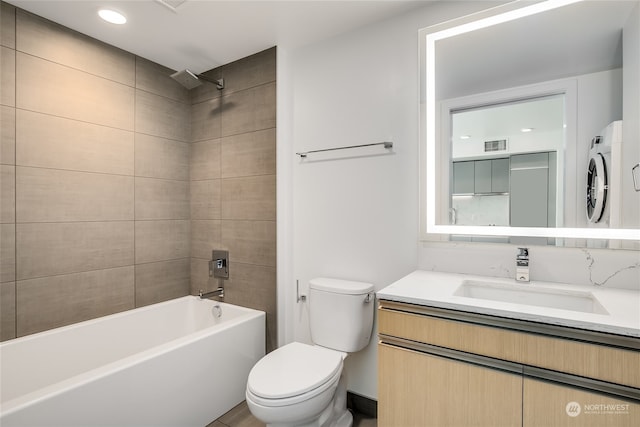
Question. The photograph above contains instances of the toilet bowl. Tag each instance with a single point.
(294, 384)
(303, 385)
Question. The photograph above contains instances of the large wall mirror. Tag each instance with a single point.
(530, 125)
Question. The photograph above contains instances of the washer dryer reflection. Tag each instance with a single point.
(603, 177)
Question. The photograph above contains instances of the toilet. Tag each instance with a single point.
(301, 384)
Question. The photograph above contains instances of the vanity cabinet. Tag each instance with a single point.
(441, 367)
(551, 404)
(444, 392)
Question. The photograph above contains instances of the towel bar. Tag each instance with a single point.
(387, 145)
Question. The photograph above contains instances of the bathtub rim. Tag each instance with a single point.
(20, 402)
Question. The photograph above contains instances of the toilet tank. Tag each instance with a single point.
(341, 313)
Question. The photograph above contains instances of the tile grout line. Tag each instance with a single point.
(135, 98)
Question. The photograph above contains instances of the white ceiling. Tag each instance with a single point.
(543, 115)
(203, 34)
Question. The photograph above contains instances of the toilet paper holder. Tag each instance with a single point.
(299, 297)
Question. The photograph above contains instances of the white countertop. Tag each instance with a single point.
(436, 289)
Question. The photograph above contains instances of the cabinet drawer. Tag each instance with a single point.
(591, 360)
(422, 390)
(549, 404)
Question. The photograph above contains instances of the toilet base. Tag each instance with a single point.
(346, 420)
(343, 420)
(335, 414)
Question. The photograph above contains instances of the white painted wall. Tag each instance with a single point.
(354, 215)
(284, 196)
(355, 218)
(631, 112)
(516, 143)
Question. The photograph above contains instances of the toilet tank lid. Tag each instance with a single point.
(340, 286)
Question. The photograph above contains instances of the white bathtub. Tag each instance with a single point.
(169, 364)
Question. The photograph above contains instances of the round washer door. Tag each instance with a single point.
(597, 187)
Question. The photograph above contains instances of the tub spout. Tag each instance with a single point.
(217, 293)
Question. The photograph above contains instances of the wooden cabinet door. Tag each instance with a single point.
(551, 404)
(422, 390)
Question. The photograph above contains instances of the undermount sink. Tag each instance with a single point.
(582, 301)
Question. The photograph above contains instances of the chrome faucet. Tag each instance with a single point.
(216, 293)
(522, 265)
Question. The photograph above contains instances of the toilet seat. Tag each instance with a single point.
(294, 373)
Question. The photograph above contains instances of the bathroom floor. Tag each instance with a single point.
(240, 416)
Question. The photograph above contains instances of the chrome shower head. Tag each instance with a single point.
(190, 80)
(187, 79)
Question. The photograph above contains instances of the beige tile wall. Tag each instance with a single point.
(72, 298)
(73, 49)
(233, 183)
(7, 172)
(161, 281)
(95, 213)
(116, 182)
(7, 134)
(74, 146)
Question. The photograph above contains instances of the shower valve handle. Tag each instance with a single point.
(219, 264)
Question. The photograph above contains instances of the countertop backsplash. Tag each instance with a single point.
(579, 266)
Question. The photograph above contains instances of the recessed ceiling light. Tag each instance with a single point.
(526, 130)
(112, 16)
(465, 136)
